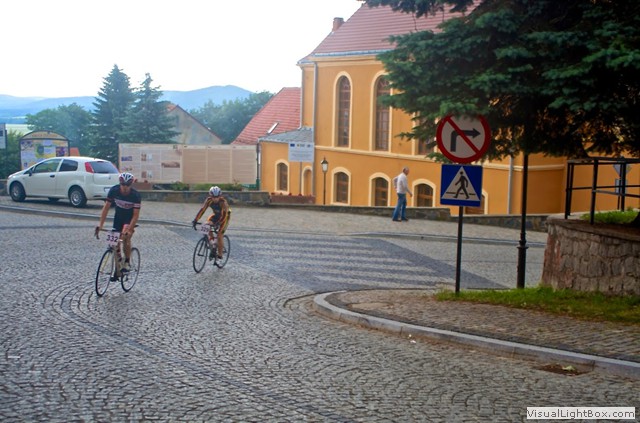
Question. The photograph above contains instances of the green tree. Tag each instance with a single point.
(229, 118)
(10, 157)
(111, 109)
(71, 121)
(148, 120)
(555, 77)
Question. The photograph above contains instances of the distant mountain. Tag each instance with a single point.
(15, 109)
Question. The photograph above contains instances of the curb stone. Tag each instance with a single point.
(508, 348)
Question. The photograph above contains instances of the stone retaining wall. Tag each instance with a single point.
(292, 199)
(585, 257)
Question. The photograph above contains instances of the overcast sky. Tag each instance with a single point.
(65, 48)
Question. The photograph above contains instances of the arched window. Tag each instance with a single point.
(382, 116)
(344, 111)
(380, 192)
(283, 176)
(342, 187)
(424, 196)
(306, 182)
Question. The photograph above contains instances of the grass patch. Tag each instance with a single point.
(614, 217)
(584, 305)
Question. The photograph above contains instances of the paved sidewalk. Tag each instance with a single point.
(554, 339)
(515, 332)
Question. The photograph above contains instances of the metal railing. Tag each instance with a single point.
(619, 189)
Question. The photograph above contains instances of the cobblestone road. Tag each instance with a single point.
(242, 344)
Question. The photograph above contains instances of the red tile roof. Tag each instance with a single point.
(369, 29)
(282, 111)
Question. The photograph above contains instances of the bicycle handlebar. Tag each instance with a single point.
(213, 227)
(107, 230)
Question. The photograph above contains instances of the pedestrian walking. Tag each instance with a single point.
(463, 182)
(402, 188)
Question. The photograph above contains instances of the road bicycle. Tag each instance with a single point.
(207, 248)
(110, 266)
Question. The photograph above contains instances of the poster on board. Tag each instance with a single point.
(33, 151)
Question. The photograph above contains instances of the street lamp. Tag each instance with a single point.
(258, 163)
(325, 166)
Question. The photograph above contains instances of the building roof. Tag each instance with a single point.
(175, 108)
(304, 134)
(369, 29)
(280, 114)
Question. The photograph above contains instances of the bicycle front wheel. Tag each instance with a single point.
(129, 279)
(200, 254)
(106, 270)
(220, 262)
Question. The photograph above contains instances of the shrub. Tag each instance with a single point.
(615, 217)
(179, 186)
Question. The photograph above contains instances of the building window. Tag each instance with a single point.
(283, 175)
(476, 210)
(424, 196)
(344, 111)
(382, 116)
(342, 187)
(426, 146)
(380, 192)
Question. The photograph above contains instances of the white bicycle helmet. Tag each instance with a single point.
(126, 178)
(215, 191)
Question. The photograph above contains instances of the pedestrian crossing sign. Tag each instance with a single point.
(461, 185)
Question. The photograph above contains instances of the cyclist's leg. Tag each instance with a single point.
(210, 222)
(221, 230)
(126, 241)
(117, 226)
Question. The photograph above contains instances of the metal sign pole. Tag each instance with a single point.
(459, 249)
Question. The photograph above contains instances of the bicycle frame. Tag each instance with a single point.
(207, 246)
(110, 266)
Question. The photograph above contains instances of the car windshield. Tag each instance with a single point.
(103, 167)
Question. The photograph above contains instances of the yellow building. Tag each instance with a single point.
(359, 142)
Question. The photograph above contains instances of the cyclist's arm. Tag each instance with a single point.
(134, 220)
(201, 211)
(103, 214)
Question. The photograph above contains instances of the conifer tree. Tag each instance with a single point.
(148, 120)
(111, 109)
(551, 77)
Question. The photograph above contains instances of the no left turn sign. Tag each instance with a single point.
(463, 140)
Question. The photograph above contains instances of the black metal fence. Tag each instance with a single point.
(619, 189)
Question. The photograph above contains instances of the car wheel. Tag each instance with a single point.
(77, 197)
(17, 192)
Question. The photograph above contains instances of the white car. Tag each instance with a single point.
(77, 178)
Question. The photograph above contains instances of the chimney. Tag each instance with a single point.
(337, 23)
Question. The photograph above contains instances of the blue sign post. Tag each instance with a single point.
(460, 186)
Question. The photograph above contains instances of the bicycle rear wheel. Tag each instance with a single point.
(129, 279)
(200, 254)
(105, 271)
(220, 262)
